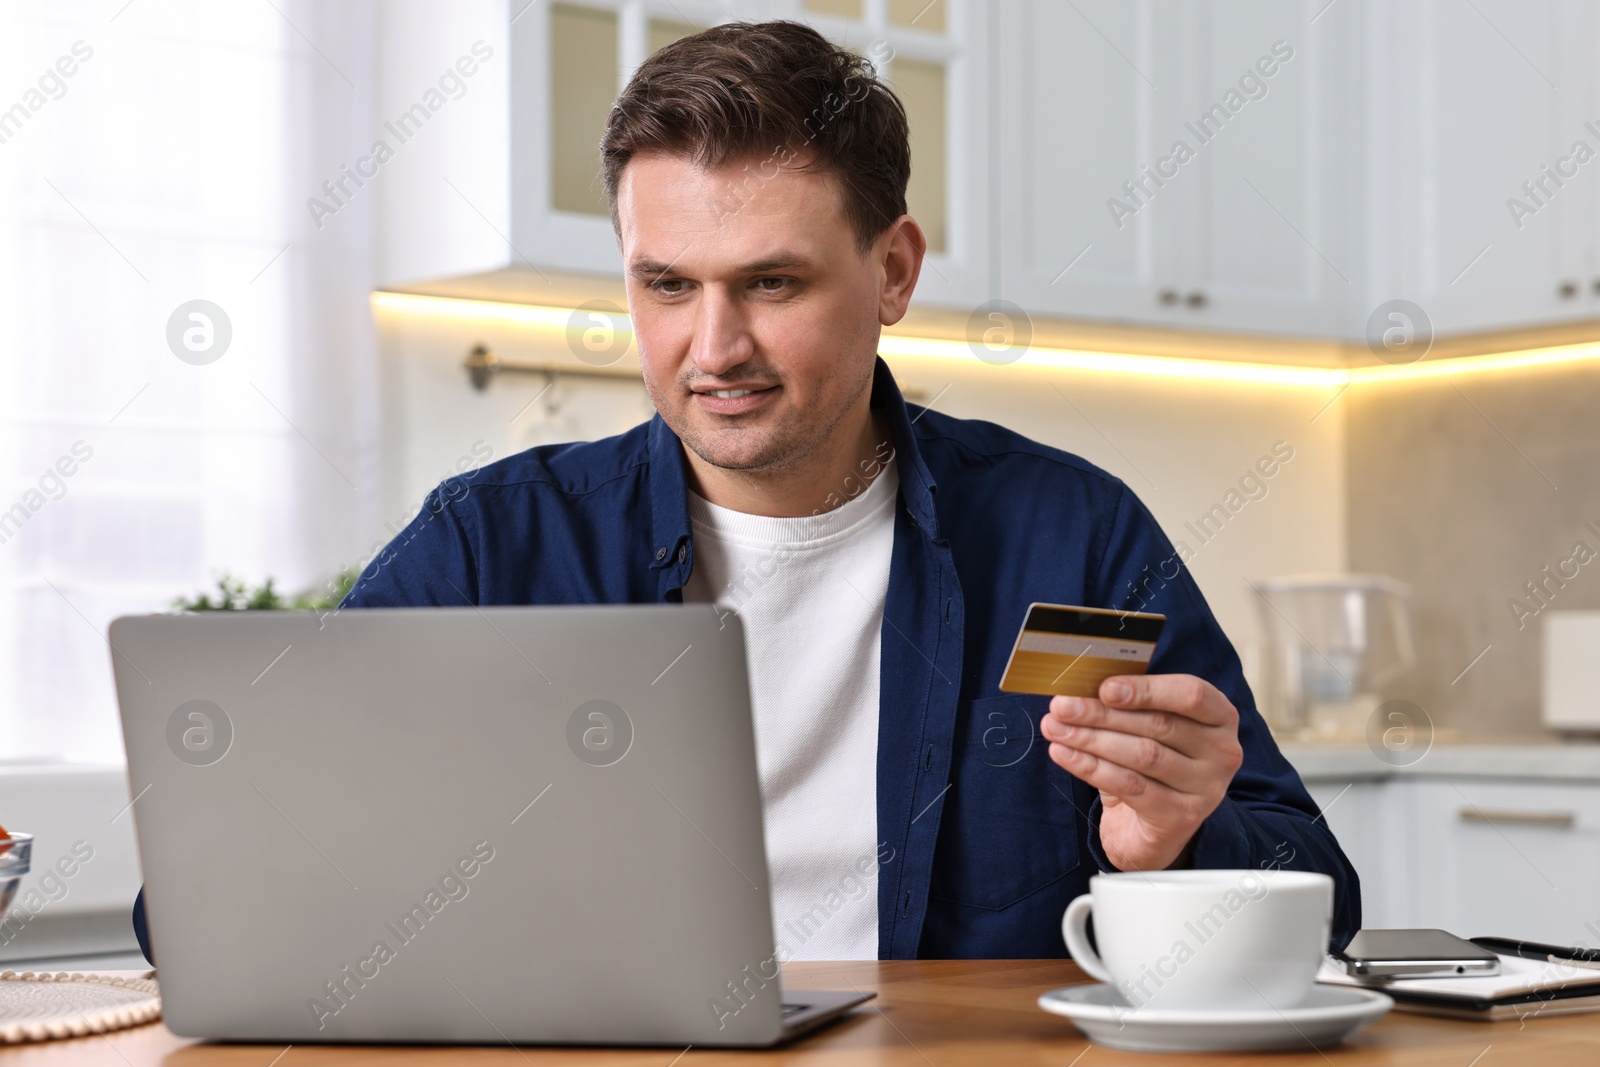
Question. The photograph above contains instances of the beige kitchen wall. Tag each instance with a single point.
(1468, 490)
(1182, 445)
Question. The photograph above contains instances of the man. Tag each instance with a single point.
(881, 556)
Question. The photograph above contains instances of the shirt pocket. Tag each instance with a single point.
(1009, 825)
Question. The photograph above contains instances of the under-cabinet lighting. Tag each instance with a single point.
(898, 347)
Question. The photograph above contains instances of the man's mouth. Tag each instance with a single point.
(735, 401)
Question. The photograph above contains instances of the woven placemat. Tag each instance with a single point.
(37, 1006)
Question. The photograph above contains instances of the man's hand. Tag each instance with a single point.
(1161, 749)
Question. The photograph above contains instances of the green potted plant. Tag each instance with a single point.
(235, 594)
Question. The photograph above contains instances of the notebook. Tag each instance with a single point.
(1523, 988)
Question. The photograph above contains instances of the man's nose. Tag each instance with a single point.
(722, 338)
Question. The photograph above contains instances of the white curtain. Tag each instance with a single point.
(154, 153)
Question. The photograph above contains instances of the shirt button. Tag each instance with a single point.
(661, 553)
(683, 553)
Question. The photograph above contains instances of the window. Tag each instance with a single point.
(138, 457)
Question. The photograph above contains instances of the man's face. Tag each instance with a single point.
(742, 282)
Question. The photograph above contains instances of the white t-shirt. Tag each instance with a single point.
(810, 592)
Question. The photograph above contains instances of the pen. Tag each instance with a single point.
(1534, 950)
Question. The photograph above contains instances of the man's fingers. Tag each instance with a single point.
(1183, 694)
(1160, 750)
(1171, 729)
(1142, 755)
(1158, 802)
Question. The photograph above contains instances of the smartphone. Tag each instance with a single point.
(1415, 954)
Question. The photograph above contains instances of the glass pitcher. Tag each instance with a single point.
(1334, 642)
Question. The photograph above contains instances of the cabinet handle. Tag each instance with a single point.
(1558, 820)
(1167, 296)
(1196, 299)
(1567, 290)
(1596, 286)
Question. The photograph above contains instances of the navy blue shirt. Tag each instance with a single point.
(989, 838)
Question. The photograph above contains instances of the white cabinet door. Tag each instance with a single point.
(937, 59)
(586, 50)
(954, 161)
(569, 62)
(1510, 859)
(1087, 101)
(1175, 165)
(541, 233)
(1476, 100)
(1361, 818)
(1580, 44)
(1267, 248)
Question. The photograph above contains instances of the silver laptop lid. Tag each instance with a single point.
(508, 824)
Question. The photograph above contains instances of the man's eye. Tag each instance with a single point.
(772, 285)
(669, 286)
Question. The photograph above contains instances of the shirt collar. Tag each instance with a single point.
(669, 487)
(917, 486)
(669, 494)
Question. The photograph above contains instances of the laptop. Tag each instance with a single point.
(534, 825)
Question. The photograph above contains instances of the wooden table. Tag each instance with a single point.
(931, 1013)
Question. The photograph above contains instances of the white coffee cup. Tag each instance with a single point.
(1213, 939)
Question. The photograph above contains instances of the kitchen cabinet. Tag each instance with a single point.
(1475, 840)
(1363, 816)
(1267, 247)
(1177, 166)
(1076, 118)
(570, 59)
(1475, 109)
(1513, 859)
(1433, 152)
(1246, 166)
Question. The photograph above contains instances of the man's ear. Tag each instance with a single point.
(900, 250)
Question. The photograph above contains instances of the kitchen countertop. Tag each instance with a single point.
(1544, 762)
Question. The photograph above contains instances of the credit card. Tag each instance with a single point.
(1068, 651)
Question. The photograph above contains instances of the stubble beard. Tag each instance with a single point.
(786, 444)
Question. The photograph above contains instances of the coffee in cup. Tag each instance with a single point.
(1204, 940)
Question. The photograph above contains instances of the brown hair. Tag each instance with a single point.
(774, 90)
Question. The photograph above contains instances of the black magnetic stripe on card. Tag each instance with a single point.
(1109, 624)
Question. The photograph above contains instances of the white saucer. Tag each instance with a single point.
(1329, 1015)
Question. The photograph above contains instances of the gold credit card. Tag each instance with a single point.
(1069, 651)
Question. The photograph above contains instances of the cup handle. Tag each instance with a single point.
(1075, 931)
